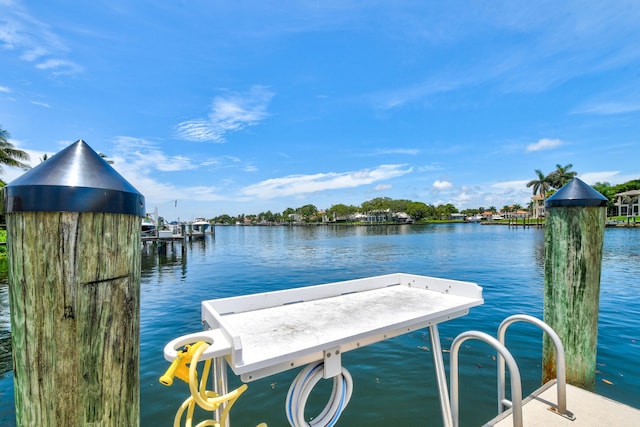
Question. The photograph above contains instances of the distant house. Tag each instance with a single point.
(627, 203)
(296, 217)
(376, 216)
(358, 217)
(538, 206)
(379, 216)
(403, 218)
(323, 214)
(342, 218)
(520, 214)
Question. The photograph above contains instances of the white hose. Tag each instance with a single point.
(301, 388)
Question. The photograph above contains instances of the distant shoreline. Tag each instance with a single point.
(379, 224)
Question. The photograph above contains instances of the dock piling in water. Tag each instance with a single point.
(574, 236)
(73, 235)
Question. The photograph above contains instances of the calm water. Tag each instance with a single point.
(393, 380)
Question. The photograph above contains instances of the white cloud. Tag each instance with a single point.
(144, 156)
(612, 177)
(544, 144)
(5, 89)
(383, 187)
(40, 104)
(303, 184)
(228, 162)
(60, 66)
(550, 48)
(442, 185)
(230, 113)
(34, 54)
(33, 41)
(509, 185)
(609, 108)
(464, 197)
(407, 151)
(139, 160)
(430, 168)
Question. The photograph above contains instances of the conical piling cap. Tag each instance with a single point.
(76, 179)
(576, 193)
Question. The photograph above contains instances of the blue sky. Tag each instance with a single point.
(248, 106)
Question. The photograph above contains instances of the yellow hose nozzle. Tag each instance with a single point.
(167, 378)
(179, 367)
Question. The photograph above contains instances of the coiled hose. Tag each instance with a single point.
(208, 400)
(301, 388)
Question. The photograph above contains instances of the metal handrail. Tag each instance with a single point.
(516, 386)
(560, 361)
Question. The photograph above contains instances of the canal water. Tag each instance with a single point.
(393, 380)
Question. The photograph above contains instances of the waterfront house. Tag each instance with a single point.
(627, 203)
(379, 215)
(538, 206)
(403, 218)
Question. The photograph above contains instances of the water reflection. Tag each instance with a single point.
(161, 259)
(6, 364)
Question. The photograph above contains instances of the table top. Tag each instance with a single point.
(284, 329)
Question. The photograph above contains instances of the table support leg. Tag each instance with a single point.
(438, 366)
(220, 383)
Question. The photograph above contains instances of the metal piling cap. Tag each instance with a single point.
(576, 193)
(76, 179)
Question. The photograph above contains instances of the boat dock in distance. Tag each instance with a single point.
(175, 232)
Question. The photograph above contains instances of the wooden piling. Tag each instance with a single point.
(574, 236)
(75, 293)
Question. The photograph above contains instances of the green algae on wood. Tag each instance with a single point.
(574, 237)
(74, 247)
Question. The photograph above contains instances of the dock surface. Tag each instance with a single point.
(589, 410)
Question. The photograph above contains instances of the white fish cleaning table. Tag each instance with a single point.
(263, 334)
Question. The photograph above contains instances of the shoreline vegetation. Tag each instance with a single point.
(385, 210)
(517, 222)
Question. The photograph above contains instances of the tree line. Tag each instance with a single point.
(419, 211)
(343, 213)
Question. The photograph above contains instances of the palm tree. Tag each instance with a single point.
(561, 175)
(540, 185)
(10, 155)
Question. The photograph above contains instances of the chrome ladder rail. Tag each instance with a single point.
(516, 385)
(561, 383)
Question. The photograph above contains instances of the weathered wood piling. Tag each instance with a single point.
(73, 235)
(574, 236)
